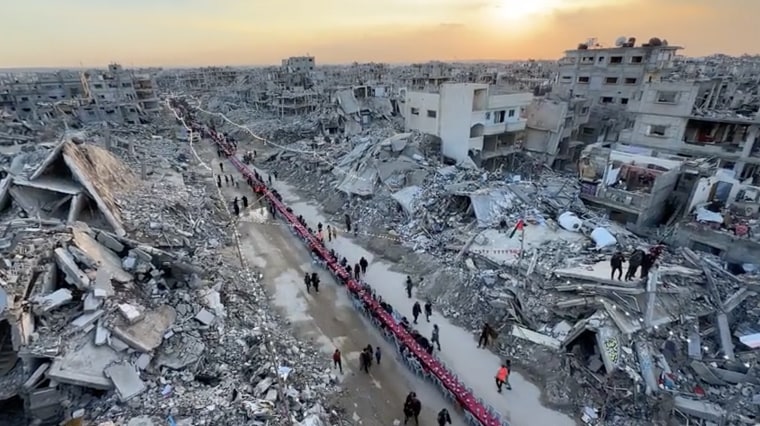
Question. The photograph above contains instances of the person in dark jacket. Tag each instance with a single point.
(409, 285)
(315, 281)
(410, 408)
(236, 207)
(245, 202)
(428, 310)
(357, 271)
(646, 264)
(616, 263)
(378, 355)
(218, 181)
(364, 264)
(636, 259)
(364, 360)
(307, 281)
(416, 311)
(444, 417)
(348, 222)
(485, 333)
(435, 338)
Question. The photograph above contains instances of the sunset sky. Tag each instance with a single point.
(39, 33)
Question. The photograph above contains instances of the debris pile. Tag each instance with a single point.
(130, 309)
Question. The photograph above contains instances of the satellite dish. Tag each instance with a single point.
(620, 41)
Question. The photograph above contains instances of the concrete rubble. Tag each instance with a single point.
(678, 344)
(122, 306)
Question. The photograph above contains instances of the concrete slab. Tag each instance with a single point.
(110, 242)
(205, 317)
(32, 381)
(147, 334)
(130, 313)
(143, 361)
(101, 335)
(102, 286)
(87, 319)
(84, 365)
(724, 330)
(126, 380)
(71, 271)
(101, 254)
(599, 272)
(53, 300)
(92, 303)
(535, 337)
(700, 409)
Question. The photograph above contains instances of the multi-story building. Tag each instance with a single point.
(677, 118)
(473, 124)
(632, 188)
(298, 64)
(25, 96)
(610, 77)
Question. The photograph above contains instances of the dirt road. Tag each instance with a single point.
(326, 318)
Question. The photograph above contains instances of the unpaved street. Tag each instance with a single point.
(326, 318)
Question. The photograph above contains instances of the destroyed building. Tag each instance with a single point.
(611, 77)
(473, 124)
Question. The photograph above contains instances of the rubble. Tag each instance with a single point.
(142, 308)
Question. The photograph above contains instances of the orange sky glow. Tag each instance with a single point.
(92, 33)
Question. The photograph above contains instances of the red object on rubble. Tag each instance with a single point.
(463, 396)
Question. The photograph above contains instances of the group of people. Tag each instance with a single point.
(228, 180)
(311, 280)
(413, 408)
(417, 310)
(638, 258)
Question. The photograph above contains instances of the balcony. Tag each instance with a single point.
(634, 200)
(475, 143)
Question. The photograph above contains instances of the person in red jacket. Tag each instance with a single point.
(337, 362)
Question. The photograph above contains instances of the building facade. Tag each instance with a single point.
(473, 124)
(552, 129)
(609, 78)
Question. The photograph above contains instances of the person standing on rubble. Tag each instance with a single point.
(348, 222)
(637, 257)
(428, 310)
(315, 281)
(436, 338)
(416, 311)
(307, 281)
(337, 361)
(616, 263)
(357, 271)
(485, 333)
(364, 264)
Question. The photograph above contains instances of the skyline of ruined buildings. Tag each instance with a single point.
(650, 133)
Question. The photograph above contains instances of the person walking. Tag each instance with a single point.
(616, 264)
(236, 207)
(329, 233)
(218, 181)
(245, 202)
(226, 180)
(357, 271)
(334, 233)
(409, 285)
(307, 281)
(364, 264)
(435, 338)
(416, 311)
(337, 362)
(221, 167)
(444, 417)
(315, 281)
(502, 377)
(364, 360)
(412, 408)
(428, 310)
(378, 355)
(485, 333)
